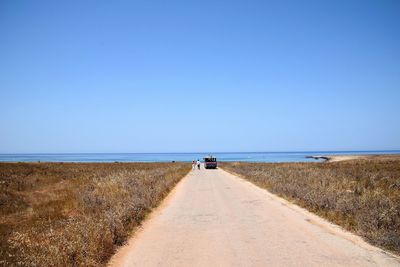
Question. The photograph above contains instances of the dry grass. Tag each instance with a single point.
(362, 195)
(76, 214)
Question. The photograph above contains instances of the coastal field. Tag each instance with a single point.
(76, 214)
(362, 195)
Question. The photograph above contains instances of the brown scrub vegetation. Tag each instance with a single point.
(76, 214)
(361, 195)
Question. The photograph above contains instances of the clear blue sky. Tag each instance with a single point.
(183, 76)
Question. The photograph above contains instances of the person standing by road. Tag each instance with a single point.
(193, 165)
(198, 164)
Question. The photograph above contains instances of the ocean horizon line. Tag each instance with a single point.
(202, 152)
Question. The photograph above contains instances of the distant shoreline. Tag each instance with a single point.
(336, 158)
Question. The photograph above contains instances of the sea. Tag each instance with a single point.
(185, 157)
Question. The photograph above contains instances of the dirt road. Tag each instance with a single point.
(213, 218)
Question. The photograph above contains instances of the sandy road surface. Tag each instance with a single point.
(213, 218)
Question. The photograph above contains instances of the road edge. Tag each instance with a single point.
(319, 221)
(119, 255)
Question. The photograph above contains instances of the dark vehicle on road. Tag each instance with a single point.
(210, 162)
